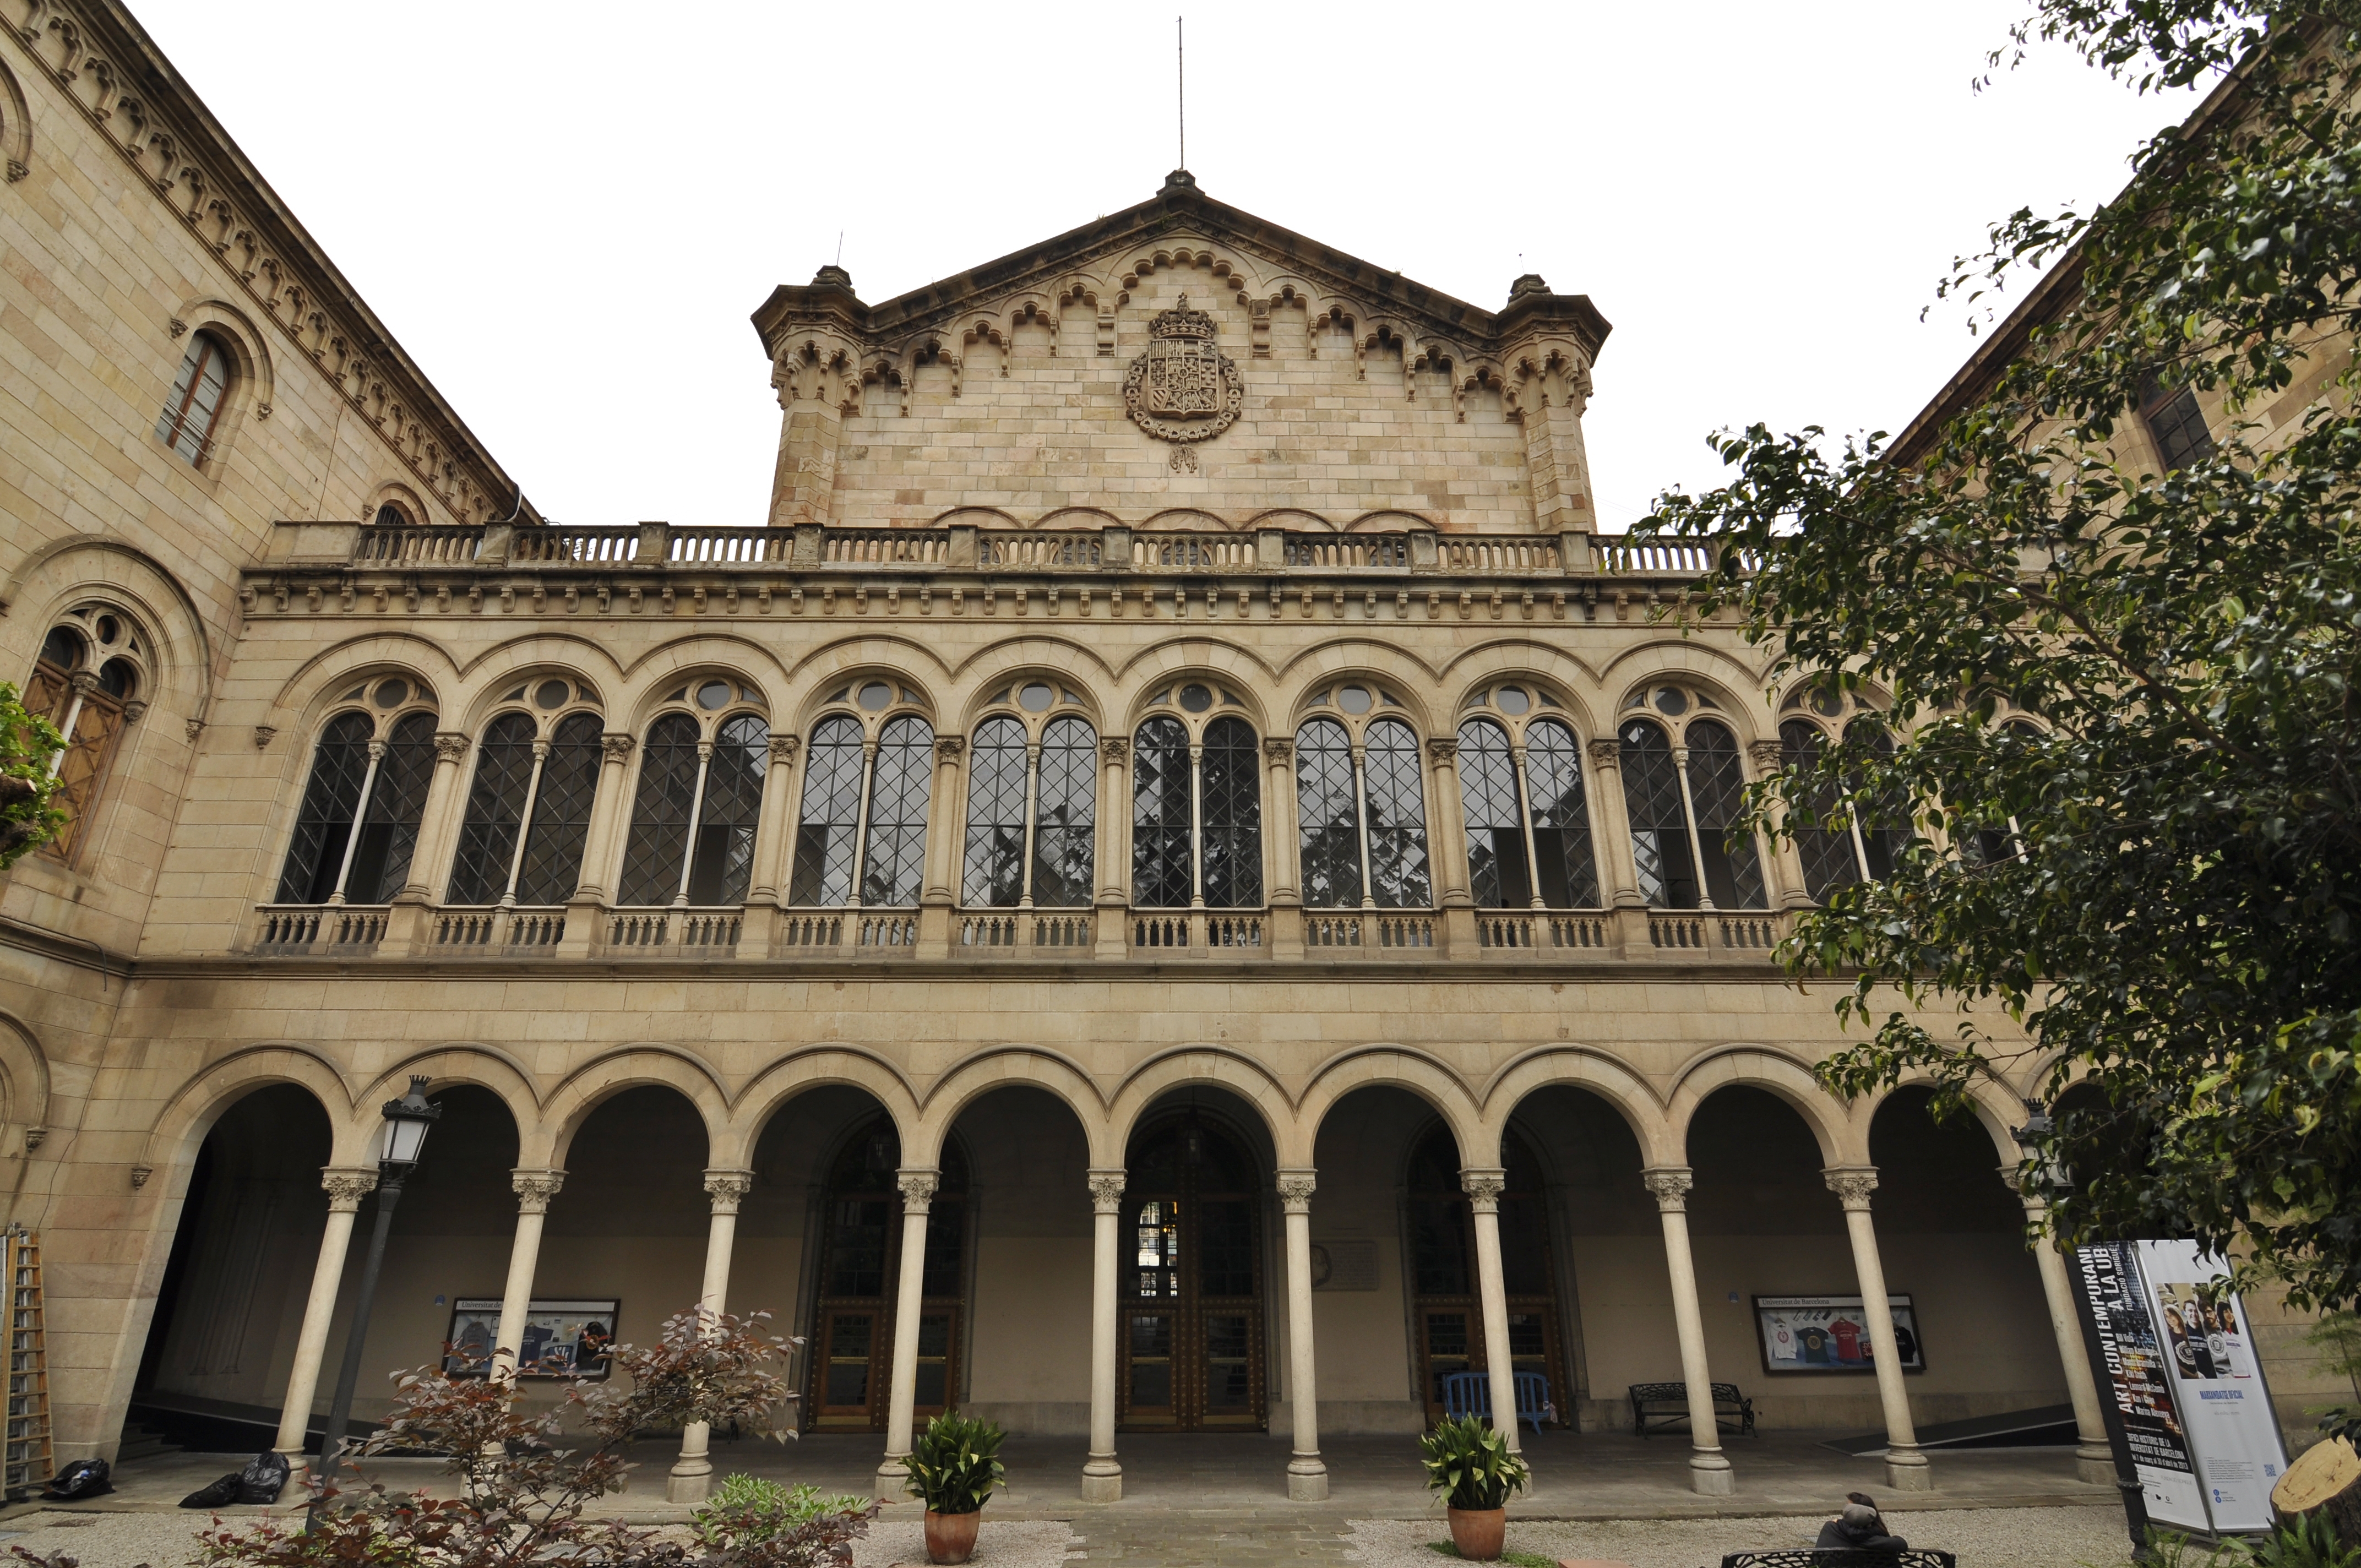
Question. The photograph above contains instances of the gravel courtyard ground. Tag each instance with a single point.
(1983, 1537)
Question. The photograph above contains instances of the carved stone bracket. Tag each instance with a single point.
(1295, 1189)
(534, 1189)
(1852, 1184)
(1484, 1186)
(1670, 1185)
(139, 1175)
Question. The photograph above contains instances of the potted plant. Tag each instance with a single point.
(1469, 1464)
(953, 1467)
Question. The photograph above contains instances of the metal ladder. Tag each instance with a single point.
(28, 1459)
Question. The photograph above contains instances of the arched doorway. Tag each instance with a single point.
(860, 1270)
(1442, 1243)
(1193, 1331)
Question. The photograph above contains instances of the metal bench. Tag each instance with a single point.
(1664, 1406)
(1838, 1557)
(1470, 1394)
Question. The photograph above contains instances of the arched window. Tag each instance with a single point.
(391, 516)
(1328, 815)
(528, 813)
(1230, 812)
(1363, 818)
(1827, 853)
(1163, 864)
(693, 818)
(1851, 836)
(861, 838)
(1670, 839)
(1196, 809)
(86, 680)
(1528, 819)
(828, 827)
(1030, 823)
(358, 821)
(192, 408)
(893, 847)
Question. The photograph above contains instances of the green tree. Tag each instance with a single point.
(2159, 879)
(27, 743)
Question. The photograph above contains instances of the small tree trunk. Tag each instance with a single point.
(2325, 1477)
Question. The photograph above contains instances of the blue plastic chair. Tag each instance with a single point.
(1470, 1394)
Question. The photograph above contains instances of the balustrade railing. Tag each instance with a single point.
(1195, 551)
(1038, 550)
(406, 546)
(674, 932)
(1510, 552)
(1331, 552)
(729, 545)
(495, 930)
(558, 545)
(886, 547)
(290, 931)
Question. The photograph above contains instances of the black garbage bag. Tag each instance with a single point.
(83, 1478)
(218, 1493)
(264, 1475)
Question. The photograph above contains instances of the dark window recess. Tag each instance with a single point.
(2176, 425)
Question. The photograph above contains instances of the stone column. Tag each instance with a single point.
(1102, 1475)
(438, 821)
(1483, 1186)
(917, 1193)
(938, 890)
(1709, 1471)
(534, 1189)
(1307, 1474)
(1280, 829)
(611, 816)
(692, 1474)
(2094, 1457)
(1905, 1463)
(346, 1188)
(1450, 825)
(1784, 866)
(377, 751)
(1618, 872)
(1112, 844)
(774, 842)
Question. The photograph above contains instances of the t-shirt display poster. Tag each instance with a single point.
(2129, 1356)
(2233, 1432)
(1830, 1334)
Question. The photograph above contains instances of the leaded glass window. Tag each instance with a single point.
(1825, 846)
(1660, 835)
(1328, 815)
(1396, 791)
(828, 826)
(694, 819)
(1882, 819)
(369, 859)
(324, 822)
(894, 848)
(659, 812)
(1231, 793)
(1496, 828)
(1733, 870)
(994, 873)
(554, 845)
(1566, 866)
(1066, 816)
(495, 804)
(722, 858)
(1163, 871)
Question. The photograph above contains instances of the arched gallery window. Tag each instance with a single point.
(1196, 804)
(192, 408)
(1361, 804)
(1850, 839)
(358, 820)
(86, 680)
(1528, 841)
(1682, 784)
(1032, 803)
(528, 816)
(862, 833)
(700, 792)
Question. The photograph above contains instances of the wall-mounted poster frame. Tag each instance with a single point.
(1830, 1334)
(566, 1337)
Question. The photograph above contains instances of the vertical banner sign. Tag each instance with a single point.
(2125, 1350)
(2216, 1382)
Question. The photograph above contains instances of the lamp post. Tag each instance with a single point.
(406, 1123)
(2045, 1173)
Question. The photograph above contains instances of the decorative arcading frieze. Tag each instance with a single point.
(91, 54)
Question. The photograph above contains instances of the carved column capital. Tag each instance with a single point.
(377, 749)
(1295, 1189)
(616, 747)
(1852, 1184)
(451, 747)
(705, 749)
(1769, 756)
(1670, 1185)
(133, 709)
(917, 1188)
(728, 1187)
(84, 682)
(346, 1186)
(1106, 1192)
(534, 1189)
(540, 749)
(950, 749)
(784, 747)
(1280, 749)
(1605, 753)
(1484, 1185)
(1115, 748)
(1442, 749)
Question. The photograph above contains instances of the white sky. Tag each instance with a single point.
(567, 213)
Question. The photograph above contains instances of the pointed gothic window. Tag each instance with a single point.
(358, 820)
(694, 819)
(85, 682)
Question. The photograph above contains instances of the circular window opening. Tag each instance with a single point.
(1036, 697)
(713, 694)
(391, 694)
(549, 694)
(1195, 698)
(116, 677)
(1827, 703)
(1512, 699)
(875, 696)
(109, 629)
(1672, 699)
(1355, 699)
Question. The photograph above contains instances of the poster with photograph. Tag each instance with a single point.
(1830, 1334)
(561, 1338)
(2130, 1356)
(2225, 1411)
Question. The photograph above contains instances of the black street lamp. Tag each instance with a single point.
(2045, 1173)
(406, 1123)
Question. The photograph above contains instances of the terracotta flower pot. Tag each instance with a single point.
(950, 1537)
(1478, 1533)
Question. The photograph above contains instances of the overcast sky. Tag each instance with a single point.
(567, 213)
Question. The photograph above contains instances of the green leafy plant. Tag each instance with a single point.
(28, 744)
(955, 1463)
(1469, 1464)
(1513, 1558)
(2310, 1542)
(748, 1508)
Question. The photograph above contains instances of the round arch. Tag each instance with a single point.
(1215, 1066)
(1841, 1141)
(1011, 1067)
(24, 1075)
(483, 1066)
(1579, 1066)
(547, 1142)
(1397, 1067)
(190, 1112)
(765, 1094)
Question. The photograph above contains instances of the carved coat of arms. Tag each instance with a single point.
(1184, 388)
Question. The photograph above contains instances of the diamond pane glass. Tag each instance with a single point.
(1496, 833)
(1568, 870)
(830, 823)
(1329, 819)
(1660, 835)
(388, 829)
(1065, 817)
(722, 861)
(893, 855)
(1397, 795)
(1232, 793)
(561, 813)
(324, 821)
(994, 864)
(488, 834)
(1825, 848)
(651, 860)
(1161, 872)
(1885, 816)
(1733, 871)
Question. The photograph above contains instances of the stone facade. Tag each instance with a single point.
(1176, 471)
